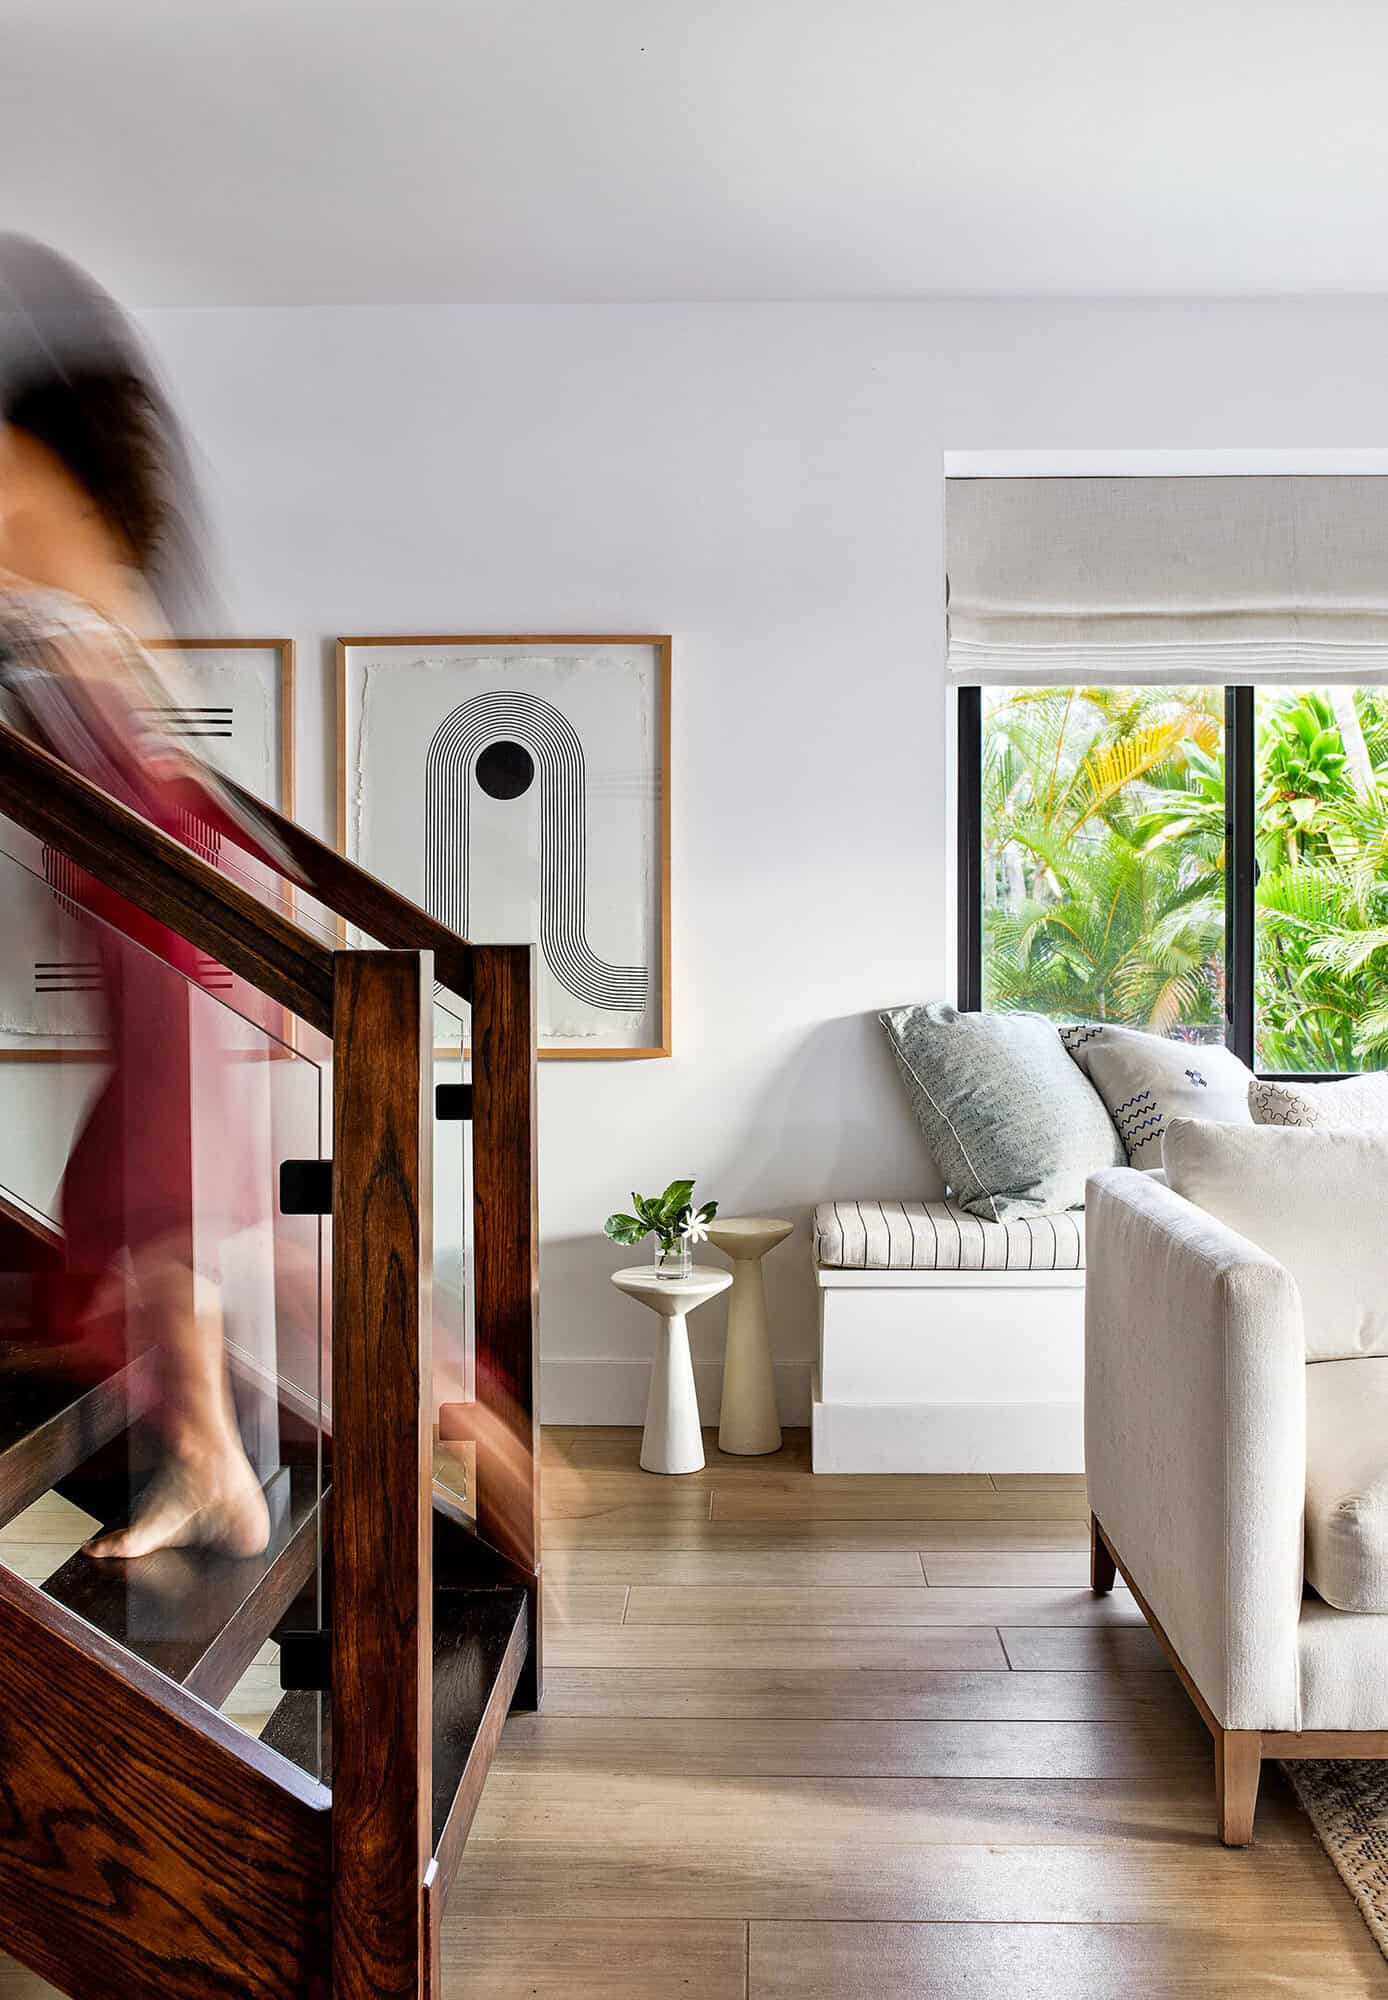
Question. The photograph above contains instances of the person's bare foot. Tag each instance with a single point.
(194, 1503)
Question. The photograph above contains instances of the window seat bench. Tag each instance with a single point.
(947, 1344)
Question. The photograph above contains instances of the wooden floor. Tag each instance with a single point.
(860, 1739)
(864, 1739)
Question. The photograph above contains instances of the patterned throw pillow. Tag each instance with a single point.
(1355, 1104)
(1146, 1080)
(1014, 1128)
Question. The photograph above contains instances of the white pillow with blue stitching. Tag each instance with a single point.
(1146, 1080)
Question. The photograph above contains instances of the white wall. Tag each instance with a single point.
(765, 483)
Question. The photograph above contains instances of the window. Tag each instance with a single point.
(1202, 862)
(1320, 983)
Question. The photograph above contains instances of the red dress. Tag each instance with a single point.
(163, 1154)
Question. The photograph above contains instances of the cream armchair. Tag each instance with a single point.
(1198, 1398)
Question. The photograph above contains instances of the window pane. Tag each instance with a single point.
(1321, 903)
(1103, 855)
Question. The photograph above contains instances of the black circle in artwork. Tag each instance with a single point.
(505, 770)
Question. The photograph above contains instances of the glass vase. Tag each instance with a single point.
(673, 1260)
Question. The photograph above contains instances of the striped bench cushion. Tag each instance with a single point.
(937, 1236)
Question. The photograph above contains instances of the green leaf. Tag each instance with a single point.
(676, 1197)
(625, 1229)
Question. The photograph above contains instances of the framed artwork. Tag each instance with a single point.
(232, 700)
(519, 789)
(238, 710)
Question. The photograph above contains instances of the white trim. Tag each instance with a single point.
(612, 1389)
(947, 1437)
(834, 1277)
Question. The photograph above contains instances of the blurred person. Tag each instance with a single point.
(98, 548)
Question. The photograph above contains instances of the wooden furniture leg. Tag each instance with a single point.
(1102, 1569)
(1238, 1765)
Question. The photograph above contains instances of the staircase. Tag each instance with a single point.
(149, 1845)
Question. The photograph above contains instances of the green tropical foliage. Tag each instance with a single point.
(1104, 856)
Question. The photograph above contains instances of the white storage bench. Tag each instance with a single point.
(947, 1344)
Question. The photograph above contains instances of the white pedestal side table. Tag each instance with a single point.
(748, 1422)
(672, 1440)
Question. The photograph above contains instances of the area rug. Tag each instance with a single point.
(1347, 1803)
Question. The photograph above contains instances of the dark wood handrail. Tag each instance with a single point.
(43, 1230)
(165, 879)
(361, 898)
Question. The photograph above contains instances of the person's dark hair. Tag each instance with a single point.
(75, 375)
(104, 426)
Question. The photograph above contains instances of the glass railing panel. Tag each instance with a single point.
(162, 1316)
(453, 1324)
(290, 898)
(313, 916)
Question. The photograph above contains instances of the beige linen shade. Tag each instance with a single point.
(1225, 579)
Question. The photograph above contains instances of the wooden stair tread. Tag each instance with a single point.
(479, 1650)
(198, 1617)
(49, 1426)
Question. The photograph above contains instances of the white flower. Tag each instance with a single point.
(695, 1231)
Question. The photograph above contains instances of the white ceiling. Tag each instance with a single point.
(297, 151)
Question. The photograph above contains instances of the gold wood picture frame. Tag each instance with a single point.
(283, 649)
(541, 710)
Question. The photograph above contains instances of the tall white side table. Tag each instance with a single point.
(672, 1440)
(748, 1422)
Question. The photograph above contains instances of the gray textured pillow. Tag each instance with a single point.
(1014, 1128)
(1354, 1103)
(1145, 1080)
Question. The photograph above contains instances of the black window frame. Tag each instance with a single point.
(1240, 873)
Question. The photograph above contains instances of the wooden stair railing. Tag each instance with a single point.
(285, 1888)
(499, 981)
(363, 899)
(165, 879)
(148, 1846)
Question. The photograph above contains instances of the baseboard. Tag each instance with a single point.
(613, 1390)
(847, 1437)
(947, 1437)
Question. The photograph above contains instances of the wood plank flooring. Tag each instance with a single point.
(825, 1739)
(818, 1739)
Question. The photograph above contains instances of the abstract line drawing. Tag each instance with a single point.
(518, 787)
(67, 975)
(508, 730)
(205, 721)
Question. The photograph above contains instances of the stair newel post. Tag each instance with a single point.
(382, 1471)
(507, 1270)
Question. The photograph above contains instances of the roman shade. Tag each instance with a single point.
(1228, 580)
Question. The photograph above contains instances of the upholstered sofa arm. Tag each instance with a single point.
(1195, 1437)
